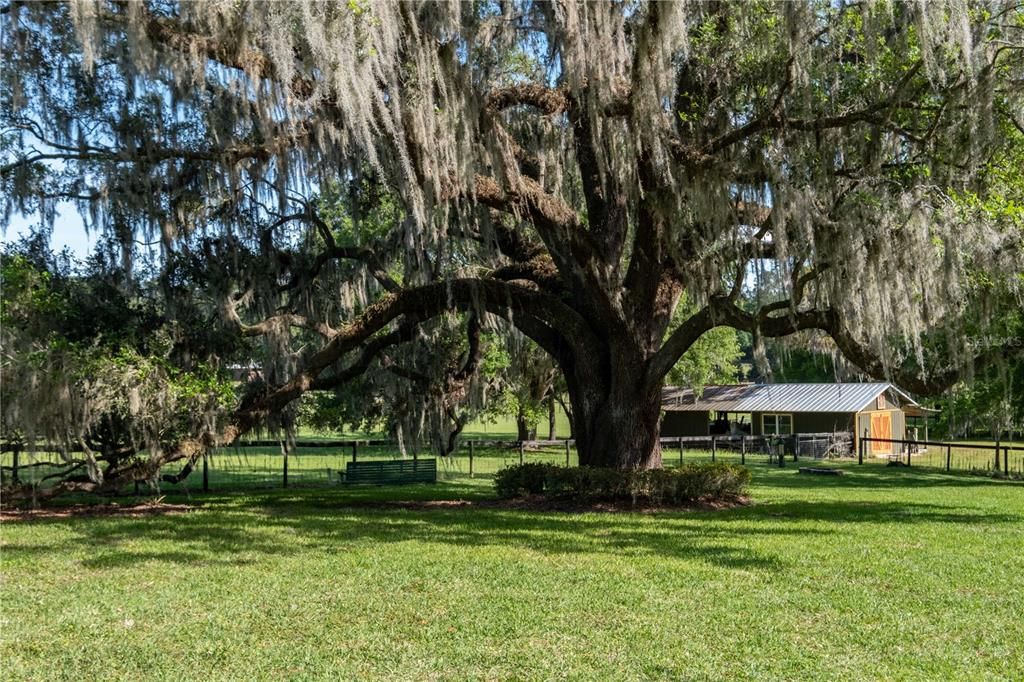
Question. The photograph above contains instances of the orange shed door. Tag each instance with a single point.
(881, 427)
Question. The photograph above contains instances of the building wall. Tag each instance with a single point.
(899, 429)
(822, 422)
(684, 424)
(756, 425)
(696, 423)
(809, 422)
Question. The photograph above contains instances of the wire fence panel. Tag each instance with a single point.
(755, 449)
(39, 468)
(264, 464)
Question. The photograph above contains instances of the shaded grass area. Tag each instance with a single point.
(879, 574)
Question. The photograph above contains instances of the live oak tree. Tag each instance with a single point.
(95, 371)
(572, 168)
(990, 401)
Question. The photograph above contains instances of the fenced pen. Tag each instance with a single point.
(270, 464)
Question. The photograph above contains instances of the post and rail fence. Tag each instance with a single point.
(950, 456)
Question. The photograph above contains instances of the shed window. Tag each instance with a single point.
(777, 424)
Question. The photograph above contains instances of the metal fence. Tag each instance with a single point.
(318, 463)
(273, 464)
(768, 449)
(315, 463)
(270, 463)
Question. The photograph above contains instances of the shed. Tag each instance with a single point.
(877, 410)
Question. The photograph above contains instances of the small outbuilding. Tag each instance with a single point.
(876, 410)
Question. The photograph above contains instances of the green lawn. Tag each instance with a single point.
(881, 574)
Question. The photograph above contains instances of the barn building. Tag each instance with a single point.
(879, 410)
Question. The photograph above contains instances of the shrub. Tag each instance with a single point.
(688, 483)
(522, 479)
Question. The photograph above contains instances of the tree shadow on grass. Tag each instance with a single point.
(215, 538)
(205, 559)
(723, 539)
(871, 512)
(254, 527)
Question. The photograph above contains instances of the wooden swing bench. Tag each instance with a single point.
(390, 472)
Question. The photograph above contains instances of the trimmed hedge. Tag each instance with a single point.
(688, 483)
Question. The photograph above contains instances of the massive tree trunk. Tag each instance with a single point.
(616, 408)
(618, 428)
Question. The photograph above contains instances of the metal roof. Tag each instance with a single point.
(782, 398)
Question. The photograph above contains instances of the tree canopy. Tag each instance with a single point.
(345, 172)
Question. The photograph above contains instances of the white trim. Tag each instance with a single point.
(764, 432)
(885, 388)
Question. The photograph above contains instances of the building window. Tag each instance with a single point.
(777, 424)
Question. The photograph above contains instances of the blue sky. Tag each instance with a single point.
(68, 230)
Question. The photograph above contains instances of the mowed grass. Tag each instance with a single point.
(880, 574)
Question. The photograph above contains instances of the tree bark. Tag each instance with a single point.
(620, 431)
(616, 410)
(526, 430)
(551, 417)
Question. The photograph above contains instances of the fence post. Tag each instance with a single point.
(743, 449)
(284, 477)
(907, 446)
(714, 448)
(949, 456)
(680, 451)
(796, 447)
(860, 451)
(471, 459)
(997, 455)
(14, 467)
(354, 448)
(522, 450)
(1006, 460)
(566, 452)
(206, 472)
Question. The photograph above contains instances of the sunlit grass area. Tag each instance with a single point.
(879, 574)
